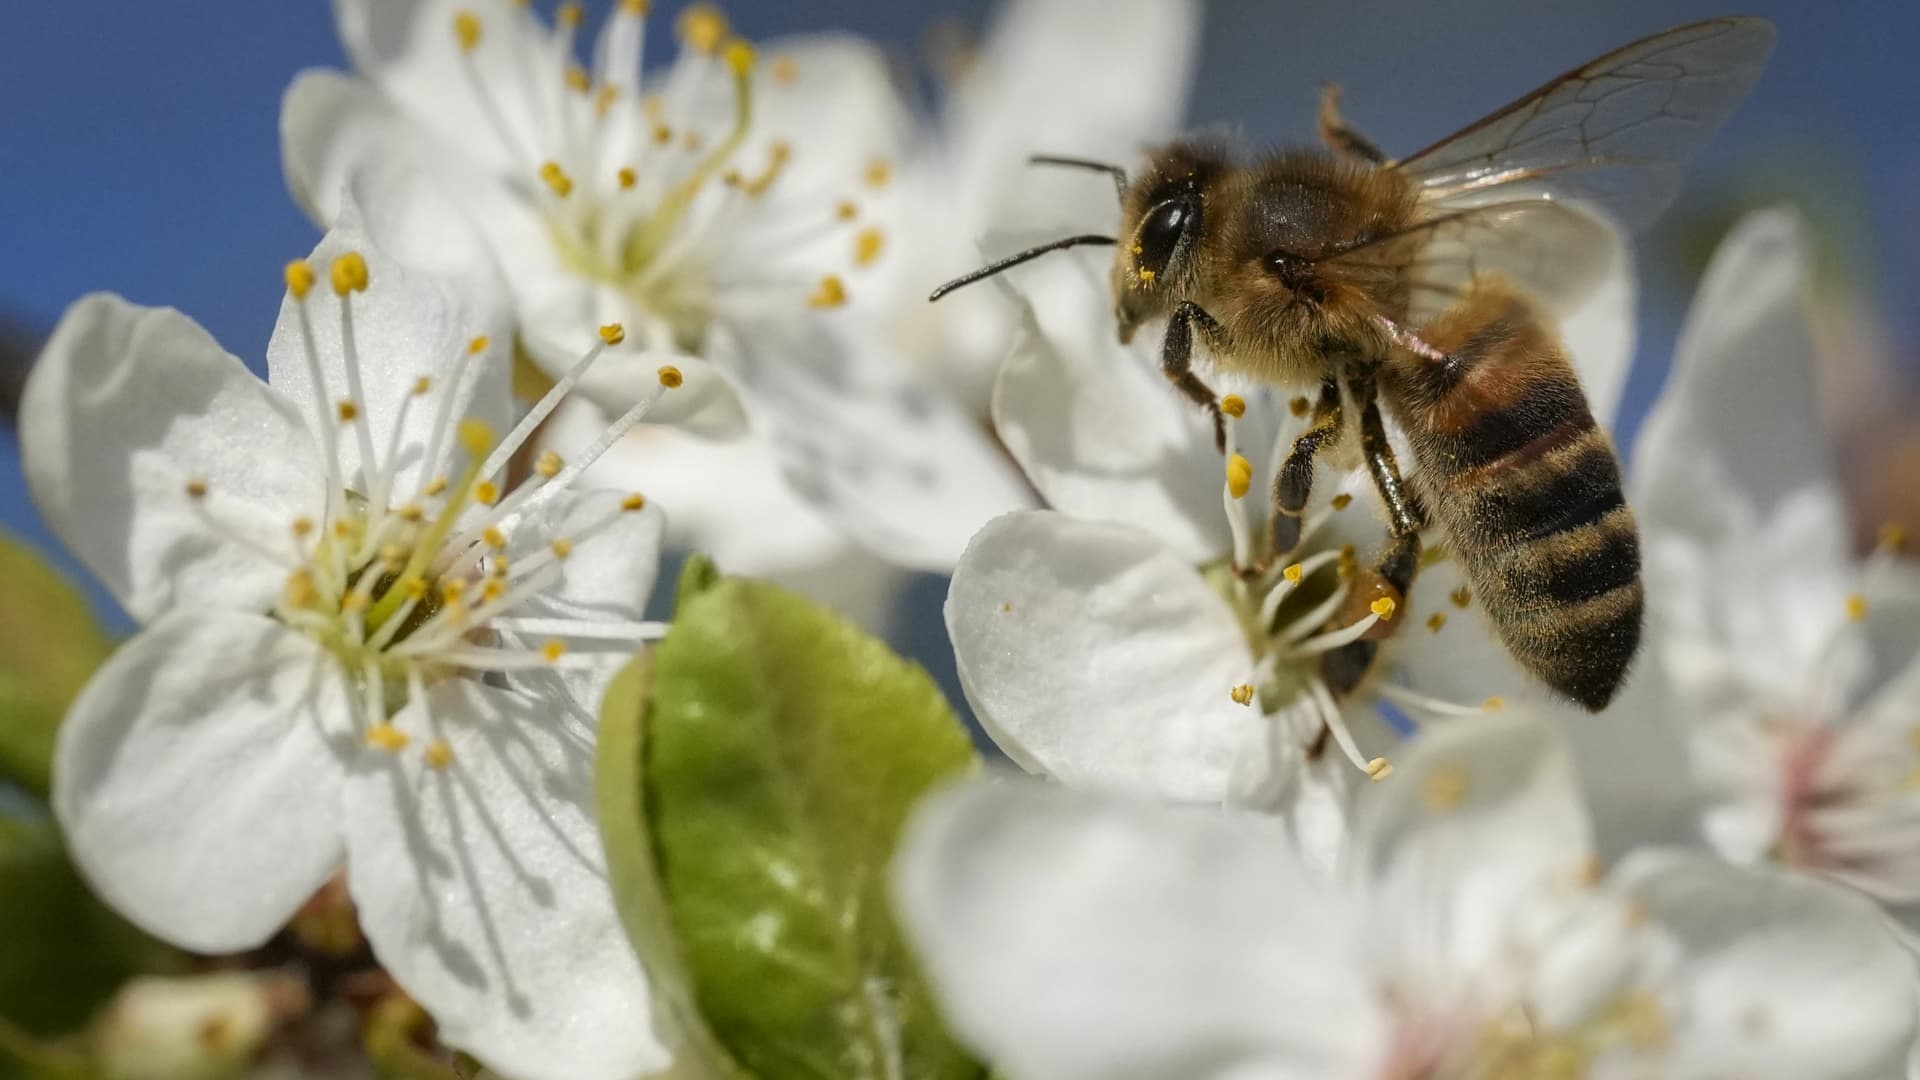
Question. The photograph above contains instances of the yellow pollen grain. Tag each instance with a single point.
(1239, 475)
(414, 588)
(476, 436)
(846, 210)
(831, 293)
(549, 464)
(556, 179)
(439, 754)
(603, 101)
(494, 589)
(495, 537)
(486, 493)
(467, 30)
(670, 377)
(662, 134)
(561, 547)
(577, 80)
(1382, 607)
(1856, 607)
(628, 178)
(384, 736)
(438, 485)
(868, 245)
(410, 512)
(303, 527)
(1461, 597)
(478, 345)
(1893, 536)
(1234, 405)
(300, 278)
(1294, 573)
(1342, 501)
(421, 385)
(501, 565)
(1147, 276)
(739, 56)
(452, 589)
(613, 333)
(634, 502)
(1494, 704)
(553, 650)
(879, 172)
(196, 488)
(348, 273)
(1436, 620)
(1379, 769)
(1242, 694)
(785, 70)
(1446, 789)
(349, 412)
(702, 28)
(342, 529)
(570, 14)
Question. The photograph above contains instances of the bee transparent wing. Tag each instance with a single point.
(1612, 133)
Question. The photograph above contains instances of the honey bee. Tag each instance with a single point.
(1430, 283)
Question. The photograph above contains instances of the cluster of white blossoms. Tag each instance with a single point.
(382, 592)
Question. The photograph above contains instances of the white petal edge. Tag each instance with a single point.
(199, 774)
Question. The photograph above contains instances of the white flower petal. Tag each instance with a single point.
(127, 405)
(1780, 976)
(199, 777)
(1737, 425)
(1094, 655)
(406, 325)
(483, 889)
(1099, 430)
(1070, 936)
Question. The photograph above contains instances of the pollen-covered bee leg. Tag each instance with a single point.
(1293, 484)
(1176, 361)
(1338, 136)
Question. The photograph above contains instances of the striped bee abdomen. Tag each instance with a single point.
(1527, 488)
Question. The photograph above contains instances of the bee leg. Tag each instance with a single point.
(1404, 511)
(1293, 484)
(1338, 136)
(1176, 361)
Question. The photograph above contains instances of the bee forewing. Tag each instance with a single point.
(1612, 133)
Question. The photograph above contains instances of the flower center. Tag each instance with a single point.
(638, 193)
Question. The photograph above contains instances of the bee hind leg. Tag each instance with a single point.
(1176, 362)
(1392, 577)
(1340, 138)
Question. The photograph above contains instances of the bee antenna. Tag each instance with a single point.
(1119, 174)
(1016, 259)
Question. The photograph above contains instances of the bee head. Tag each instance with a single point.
(1163, 218)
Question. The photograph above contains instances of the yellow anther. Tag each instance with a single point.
(548, 464)
(784, 69)
(867, 246)
(1242, 694)
(452, 589)
(494, 536)
(1147, 276)
(1234, 405)
(410, 512)
(846, 210)
(493, 589)
(654, 107)
(634, 502)
(421, 385)
(196, 488)
(486, 493)
(1461, 597)
(577, 80)
(693, 140)
(570, 14)
(702, 28)
(556, 179)
(553, 650)
(478, 345)
(561, 547)
(349, 411)
(1589, 872)
(1893, 536)
(1299, 406)
(1294, 573)
(739, 55)
(342, 529)
(303, 527)
(355, 602)
(1446, 789)
(603, 101)
(439, 754)
(348, 274)
(1494, 704)
(392, 553)
(830, 293)
(662, 134)
(1436, 620)
(1342, 501)
(879, 172)
(300, 591)
(414, 588)
(434, 487)
(635, 7)
(384, 736)
(1379, 769)
(466, 30)
(670, 376)
(1856, 607)
(299, 278)
(613, 333)
(1239, 475)
(628, 178)
(1382, 607)
(476, 437)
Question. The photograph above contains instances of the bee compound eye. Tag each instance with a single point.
(1162, 231)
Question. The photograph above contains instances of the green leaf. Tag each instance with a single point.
(49, 645)
(23, 1057)
(64, 952)
(783, 750)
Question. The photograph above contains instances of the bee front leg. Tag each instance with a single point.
(1176, 361)
(1340, 138)
(1293, 484)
